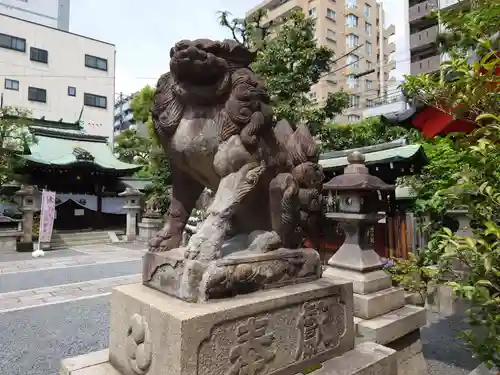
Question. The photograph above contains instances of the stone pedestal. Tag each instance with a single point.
(382, 316)
(133, 208)
(28, 206)
(148, 228)
(280, 331)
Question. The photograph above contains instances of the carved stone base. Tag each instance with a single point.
(280, 331)
(237, 273)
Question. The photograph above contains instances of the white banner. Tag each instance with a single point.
(47, 216)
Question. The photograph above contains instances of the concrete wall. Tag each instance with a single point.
(53, 13)
(65, 67)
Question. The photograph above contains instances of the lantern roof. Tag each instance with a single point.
(356, 177)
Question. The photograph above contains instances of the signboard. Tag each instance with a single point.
(47, 215)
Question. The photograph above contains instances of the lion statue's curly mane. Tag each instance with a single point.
(213, 117)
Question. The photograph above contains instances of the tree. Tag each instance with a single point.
(15, 139)
(158, 168)
(469, 89)
(133, 148)
(291, 62)
(368, 132)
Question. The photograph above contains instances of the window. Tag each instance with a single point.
(71, 91)
(368, 48)
(354, 101)
(11, 84)
(353, 61)
(369, 84)
(368, 10)
(351, 119)
(92, 100)
(368, 28)
(96, 63)
(369, 64)
(352, 20)
(352, 82)
(312, 95)
(312, 12)
(330, 13)
(37, 95)
(350, 3)
(369, 103)
(12, 42)
(40, 55)
(352, 40)
(330, 34)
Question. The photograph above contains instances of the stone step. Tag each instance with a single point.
(86, 234)
(391, 326)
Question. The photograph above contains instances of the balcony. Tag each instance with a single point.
(424, 38)
(429, 65)
(421, 10)
(390, 31)
(382, 106)
(391, 48)
(284, 9)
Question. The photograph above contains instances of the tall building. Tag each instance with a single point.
(124, 116)
(53, 13)
(354, 28)
(57, 75)
(423, 31)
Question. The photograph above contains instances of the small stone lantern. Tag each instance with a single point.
(133, 208)
(27, 198)
(355, 201)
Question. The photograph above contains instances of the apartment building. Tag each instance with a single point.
(423, 31)
(124, 116)
(57, 75)
(53, 13)
(344, 26)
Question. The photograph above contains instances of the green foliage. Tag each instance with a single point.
(132, 147)
(291, 62)
(474, 18)
(158, 167)
(412, 274)
(469, 166)
(141, 104)
(445, 161)
(15, 138)
(368, 132)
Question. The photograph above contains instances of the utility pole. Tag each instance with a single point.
(121, 110)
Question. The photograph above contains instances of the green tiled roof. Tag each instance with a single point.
(66, 148)
(391, 152)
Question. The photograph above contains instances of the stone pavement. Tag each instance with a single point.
(87, 255)
(72, 261)
(62, 293)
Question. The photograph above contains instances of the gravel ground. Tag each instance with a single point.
(34, 341)
(445, 352)
(15, 256)
(36, 279)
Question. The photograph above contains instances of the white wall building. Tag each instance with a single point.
(53, 13)
(57, 74)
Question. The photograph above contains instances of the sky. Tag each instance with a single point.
(144, 31)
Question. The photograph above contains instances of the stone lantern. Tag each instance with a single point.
(356, 200)
(27, 200)
(133, 208)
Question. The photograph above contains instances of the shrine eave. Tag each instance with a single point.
(395, 152)
(65, 149)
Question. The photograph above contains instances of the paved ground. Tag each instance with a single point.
(445, 352)
(57, 307)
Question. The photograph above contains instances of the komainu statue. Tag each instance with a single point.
(213, 117)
